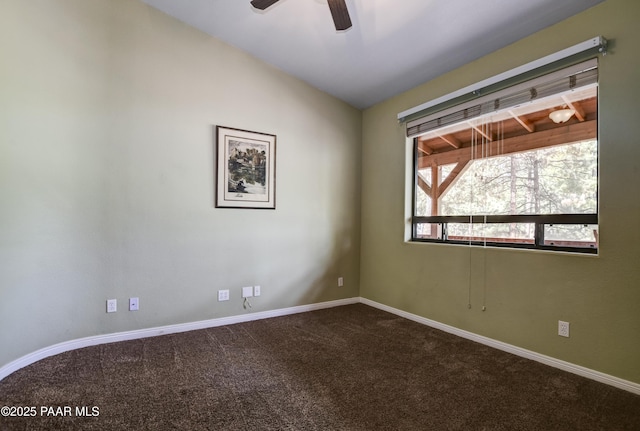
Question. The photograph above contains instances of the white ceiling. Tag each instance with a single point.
(393, 46)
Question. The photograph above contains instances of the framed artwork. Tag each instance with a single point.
(246, 169)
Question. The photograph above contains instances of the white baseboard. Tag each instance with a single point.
(192, 326)
(162, 330)
(518, 351)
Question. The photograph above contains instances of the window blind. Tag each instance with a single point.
(570, 78)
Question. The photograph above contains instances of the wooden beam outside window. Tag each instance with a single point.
(451, 140)
(565, 134)
(424, 148)
(576, 107)
(529, 127)
(453, 175)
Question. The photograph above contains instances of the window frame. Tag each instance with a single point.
(539, 220)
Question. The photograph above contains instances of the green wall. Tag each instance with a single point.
(107, 118)
(525, 292)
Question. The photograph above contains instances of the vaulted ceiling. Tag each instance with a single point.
(393, 45)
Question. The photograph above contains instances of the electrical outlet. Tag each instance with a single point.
(563, 328)
(134, 304)
(247, 292)
(256, 290)
(340, 281)
(112, 305)
(223, 295)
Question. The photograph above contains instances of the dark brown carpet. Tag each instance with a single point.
(346, 368)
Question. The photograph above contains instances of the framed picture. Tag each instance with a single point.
(246, 169)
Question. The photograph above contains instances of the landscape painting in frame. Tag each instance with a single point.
(246, 164)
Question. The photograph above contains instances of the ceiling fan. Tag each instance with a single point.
(338, 8)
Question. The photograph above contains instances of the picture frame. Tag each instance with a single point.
(246, 169)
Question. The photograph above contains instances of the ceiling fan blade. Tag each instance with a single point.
(262, 4)
(340, 14)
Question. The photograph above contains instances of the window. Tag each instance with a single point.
(499, 170)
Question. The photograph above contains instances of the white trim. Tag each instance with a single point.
(163, 330)
(518, 351)
(192, 326)
(597, 41)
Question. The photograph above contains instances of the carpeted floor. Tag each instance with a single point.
(346, 368)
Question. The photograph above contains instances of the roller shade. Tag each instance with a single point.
(567, 79)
